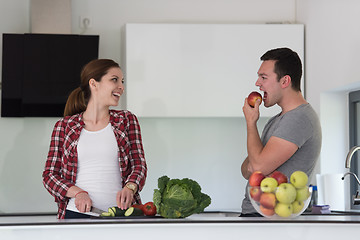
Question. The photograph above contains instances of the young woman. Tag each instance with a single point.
(96, 157)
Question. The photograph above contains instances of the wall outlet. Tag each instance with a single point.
(85, 23)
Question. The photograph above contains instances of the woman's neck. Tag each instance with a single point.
(96, 118)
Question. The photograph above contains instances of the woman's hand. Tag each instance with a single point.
(125, 198)
(83, 202)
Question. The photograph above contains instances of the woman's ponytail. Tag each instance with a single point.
(75, 103)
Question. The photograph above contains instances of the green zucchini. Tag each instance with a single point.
(116, 212)
(131, 211)
(106, 214)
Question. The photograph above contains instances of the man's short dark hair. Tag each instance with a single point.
(287, 62)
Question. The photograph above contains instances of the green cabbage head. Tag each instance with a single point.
(177, 198)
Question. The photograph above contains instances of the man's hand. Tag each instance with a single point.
(251, 114)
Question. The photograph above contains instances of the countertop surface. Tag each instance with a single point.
(207, 217)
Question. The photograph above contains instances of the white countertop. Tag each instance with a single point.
(211, 217)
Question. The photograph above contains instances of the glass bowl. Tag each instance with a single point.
(268, 205)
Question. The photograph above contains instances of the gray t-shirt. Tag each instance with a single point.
(302, 127)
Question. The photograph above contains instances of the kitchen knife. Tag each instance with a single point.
(96, 210)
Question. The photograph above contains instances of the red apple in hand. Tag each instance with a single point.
(255, 193)
(253, 96)
(279, 176)
(256, 178)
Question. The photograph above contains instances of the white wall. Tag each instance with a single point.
(332, 49)
(332, 57)
(14, 18)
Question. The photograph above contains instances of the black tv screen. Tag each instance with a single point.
(40, 70)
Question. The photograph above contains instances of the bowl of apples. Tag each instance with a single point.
(278, 197)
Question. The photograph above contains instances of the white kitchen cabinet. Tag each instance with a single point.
(199, 70)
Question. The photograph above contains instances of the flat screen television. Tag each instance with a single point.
(40, 70)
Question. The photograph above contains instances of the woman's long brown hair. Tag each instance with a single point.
(79, 97)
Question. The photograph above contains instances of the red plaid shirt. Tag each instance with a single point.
(62, 161)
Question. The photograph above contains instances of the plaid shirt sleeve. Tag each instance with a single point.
(53, 179)
(138, 169)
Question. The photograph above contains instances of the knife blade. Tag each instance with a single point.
(96, 210)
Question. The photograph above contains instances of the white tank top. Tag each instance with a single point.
(98, 170)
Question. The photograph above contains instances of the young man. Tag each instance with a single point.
(291, 140)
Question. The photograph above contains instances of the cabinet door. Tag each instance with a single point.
(200, 70)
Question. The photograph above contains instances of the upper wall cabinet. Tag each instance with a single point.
(200, 70)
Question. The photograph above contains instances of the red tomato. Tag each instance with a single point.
(149, 209)
(139, 206)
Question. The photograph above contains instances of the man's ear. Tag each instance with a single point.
(285, 81)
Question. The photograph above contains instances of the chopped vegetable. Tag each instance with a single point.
(177, 198)
(116, 211)
(113, 212)
(149, 209)
(131, 211)
(106, 214)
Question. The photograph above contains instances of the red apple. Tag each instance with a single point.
(267, 211)
(255, 193)
(279, 176)
(256, 178)
(268, 200)
(253, 96)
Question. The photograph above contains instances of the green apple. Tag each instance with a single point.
(302, 193)
(268, 184)
(297, 206)
(283, 209)
(285, 193)
(299, 179)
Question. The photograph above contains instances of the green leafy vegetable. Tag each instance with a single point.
(177, 198)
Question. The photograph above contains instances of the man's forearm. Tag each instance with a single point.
(254, 147)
